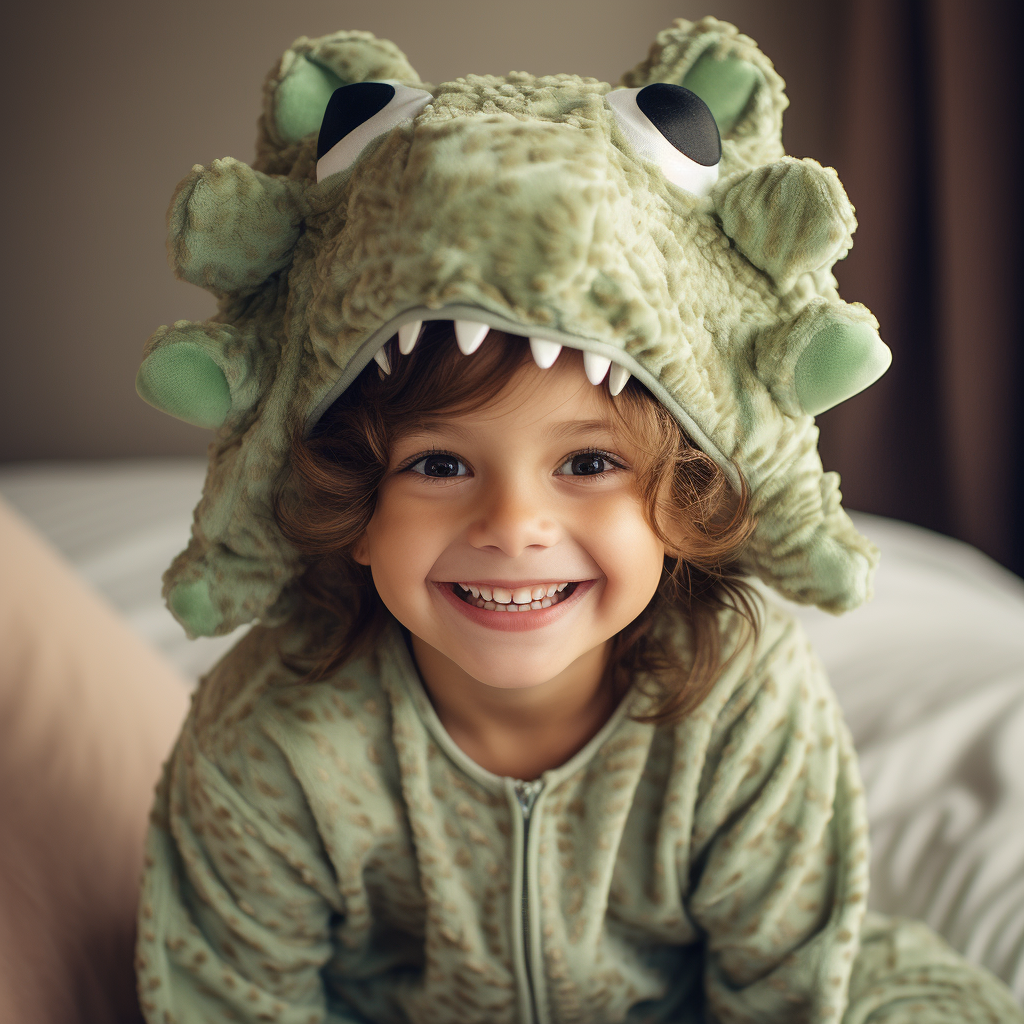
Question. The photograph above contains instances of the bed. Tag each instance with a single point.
(930, 675)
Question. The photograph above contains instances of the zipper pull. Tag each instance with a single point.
(526, 794)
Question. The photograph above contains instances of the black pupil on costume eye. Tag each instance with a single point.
(684, 119)
(348, 108)
(441, 465)
(587, 465)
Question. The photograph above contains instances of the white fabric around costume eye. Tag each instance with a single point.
(403, 106)
(649, 144)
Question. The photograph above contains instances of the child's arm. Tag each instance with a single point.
(780, 838)
(237, 904)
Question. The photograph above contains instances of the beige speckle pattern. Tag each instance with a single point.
(348, 874)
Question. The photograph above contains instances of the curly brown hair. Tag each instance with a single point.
(330, 496)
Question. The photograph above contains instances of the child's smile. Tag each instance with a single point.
(501, 605)
(510, 539)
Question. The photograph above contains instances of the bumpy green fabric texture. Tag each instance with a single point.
(517, 202)
(324, 853)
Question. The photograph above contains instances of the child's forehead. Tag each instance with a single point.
(557, 401)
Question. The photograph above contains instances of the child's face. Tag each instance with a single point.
(500, 500)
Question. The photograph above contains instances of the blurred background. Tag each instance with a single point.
(913, 101)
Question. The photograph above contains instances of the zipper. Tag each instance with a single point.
(526, 794)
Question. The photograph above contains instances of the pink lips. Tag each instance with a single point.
(515, 622)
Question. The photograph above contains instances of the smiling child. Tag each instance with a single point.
(514, 382)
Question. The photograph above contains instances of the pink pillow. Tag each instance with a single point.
(88, 713)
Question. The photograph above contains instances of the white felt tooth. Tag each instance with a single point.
(408, 335)
(595, 366)
(469, 335)
(382, 359)
(617, 377)
(544, 352)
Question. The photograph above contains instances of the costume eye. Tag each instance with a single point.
(439, 465)
(673, 127)
(356, 114)
(587, 464)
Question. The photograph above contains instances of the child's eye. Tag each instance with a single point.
(588, 464)
(439, 465)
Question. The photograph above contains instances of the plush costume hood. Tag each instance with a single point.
(557, 208)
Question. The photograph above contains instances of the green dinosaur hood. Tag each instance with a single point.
(525, 204)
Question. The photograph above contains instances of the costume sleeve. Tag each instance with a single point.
(237, 905)
(779, 867)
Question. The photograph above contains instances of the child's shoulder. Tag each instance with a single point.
(767, 664)
(264, 684)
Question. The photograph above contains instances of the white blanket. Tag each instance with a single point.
(930, 674)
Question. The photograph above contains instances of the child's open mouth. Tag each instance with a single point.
(521, 599)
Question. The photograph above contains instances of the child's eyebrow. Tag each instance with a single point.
(571, 428)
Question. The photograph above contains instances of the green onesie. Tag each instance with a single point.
(324, 851)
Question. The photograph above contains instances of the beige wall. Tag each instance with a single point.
(109, 105)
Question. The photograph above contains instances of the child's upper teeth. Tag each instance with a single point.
(520, 596)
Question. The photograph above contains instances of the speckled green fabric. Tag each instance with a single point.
(325, 853)
(516, 202)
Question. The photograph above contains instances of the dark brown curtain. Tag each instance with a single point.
(930, 156)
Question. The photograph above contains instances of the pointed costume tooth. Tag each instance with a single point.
(408, 335)
(469, 335)
(382, 359)
(596, 367)
(544, 352)
(617, 377)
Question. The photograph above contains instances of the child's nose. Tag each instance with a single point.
(513, 517)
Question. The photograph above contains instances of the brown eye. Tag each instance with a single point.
(439, 465)
(587, 464)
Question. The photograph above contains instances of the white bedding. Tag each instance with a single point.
(930, 674)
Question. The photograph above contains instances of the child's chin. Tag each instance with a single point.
(512, 674)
